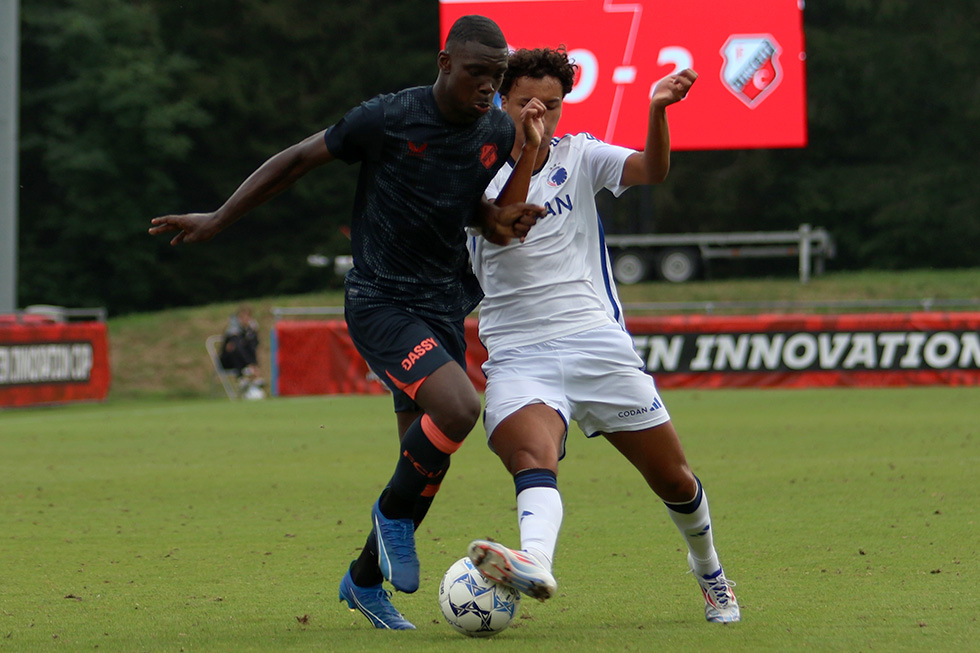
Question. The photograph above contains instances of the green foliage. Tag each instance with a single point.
(131, 110)
(102, 117)
(846, 516)
(894, 130)
(894, 127)
(136, 109)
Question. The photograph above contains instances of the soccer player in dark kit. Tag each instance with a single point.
(426, 155)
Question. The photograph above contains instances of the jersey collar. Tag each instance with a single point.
(513, 162)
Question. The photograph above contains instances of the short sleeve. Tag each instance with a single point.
(497, 183)
(359, 134)
(606, 164)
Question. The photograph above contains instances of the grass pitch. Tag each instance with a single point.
(848, 517)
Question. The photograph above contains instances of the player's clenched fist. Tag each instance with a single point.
(673, 88)
(532, 120)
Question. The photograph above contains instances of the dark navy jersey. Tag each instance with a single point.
(420, 183)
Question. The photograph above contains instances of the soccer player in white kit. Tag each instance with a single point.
(559, 351)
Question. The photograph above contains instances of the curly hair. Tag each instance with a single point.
(540, 63)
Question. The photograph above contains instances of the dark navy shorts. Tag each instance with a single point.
(403, 348)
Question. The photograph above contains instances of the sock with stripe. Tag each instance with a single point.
(425, 452)
(424, 502)
(366, 572)
(539, 513)
(693, 520)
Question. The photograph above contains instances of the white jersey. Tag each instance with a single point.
(557, 282)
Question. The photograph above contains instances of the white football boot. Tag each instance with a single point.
(720, 605)
(517, 569)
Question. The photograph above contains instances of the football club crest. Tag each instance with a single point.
(751, 69)
(557, 177)
(488, 155)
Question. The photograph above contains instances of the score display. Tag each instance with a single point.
(749, 56)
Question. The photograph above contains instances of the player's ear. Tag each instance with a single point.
(445, 61)
(503, 102)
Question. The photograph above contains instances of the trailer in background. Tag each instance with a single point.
(682, 257)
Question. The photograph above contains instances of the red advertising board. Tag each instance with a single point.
(700, 351)
(46, 363)
(318, 357)
(749, 56)
(797, 351)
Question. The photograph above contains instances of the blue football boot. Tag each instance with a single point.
(374, 603)
(396, 550)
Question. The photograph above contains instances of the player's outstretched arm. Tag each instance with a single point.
(652, 164)
(273, 177)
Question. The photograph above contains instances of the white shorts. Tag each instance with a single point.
(595, 378)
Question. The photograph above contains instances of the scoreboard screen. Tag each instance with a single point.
(749, 56)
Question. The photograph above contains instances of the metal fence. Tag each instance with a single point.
(710, 307)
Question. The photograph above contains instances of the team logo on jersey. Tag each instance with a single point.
(751, 70)
(557, 177)
(488, 155)
(417, 150)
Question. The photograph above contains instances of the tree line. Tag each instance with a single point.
(132, 109)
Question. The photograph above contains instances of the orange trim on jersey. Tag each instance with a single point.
(411, 389)
(438, 439)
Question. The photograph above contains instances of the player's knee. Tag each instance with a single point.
(677, 488)
(457, 419)
(539, 457)
(464, 418)
(470, 408)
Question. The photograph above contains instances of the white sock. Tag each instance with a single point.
(539, 515)
(695, 527)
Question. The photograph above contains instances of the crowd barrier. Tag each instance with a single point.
(313, 357)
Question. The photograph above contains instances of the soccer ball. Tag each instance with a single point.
(474, 605)
(253, 392)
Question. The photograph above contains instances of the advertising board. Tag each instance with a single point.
(749, 56)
